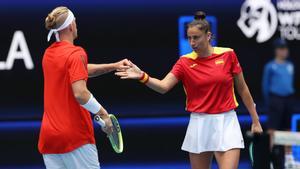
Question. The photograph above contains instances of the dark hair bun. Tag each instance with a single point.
(199, 15)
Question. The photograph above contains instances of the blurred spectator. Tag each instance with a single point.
(278, 91)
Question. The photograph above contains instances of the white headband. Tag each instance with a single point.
(67, 22)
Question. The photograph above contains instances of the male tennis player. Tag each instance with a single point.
(208, 75)
(67, 136)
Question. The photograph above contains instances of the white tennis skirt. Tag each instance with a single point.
(213, 132)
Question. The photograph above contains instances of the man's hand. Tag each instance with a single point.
(108, 129)
(133, 72)
(122, 65)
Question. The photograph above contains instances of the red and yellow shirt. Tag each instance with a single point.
(208, 82)
(65, 125)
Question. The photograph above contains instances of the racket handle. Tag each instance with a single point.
(249, 134)
(98, 119)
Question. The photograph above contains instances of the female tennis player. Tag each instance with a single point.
(208, 75)
(67, 136)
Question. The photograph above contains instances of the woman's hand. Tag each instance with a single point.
(256, 127)
(130, 73)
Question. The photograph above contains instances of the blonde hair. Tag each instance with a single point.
(56, 17)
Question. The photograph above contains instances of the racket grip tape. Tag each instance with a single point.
(98, 119)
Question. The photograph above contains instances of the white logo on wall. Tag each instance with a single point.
(260, 17)
(18, 42)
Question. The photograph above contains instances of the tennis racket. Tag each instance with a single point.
(251, 148)
(259, 150)
(115, 138)
(251, 153)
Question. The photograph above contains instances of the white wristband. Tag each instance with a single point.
(92, 105)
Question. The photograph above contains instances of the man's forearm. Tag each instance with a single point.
(103, 113)
(100, 69)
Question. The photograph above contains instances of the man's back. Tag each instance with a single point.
(66, 125)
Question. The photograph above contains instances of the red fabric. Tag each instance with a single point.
(65, 125)
(208, 82)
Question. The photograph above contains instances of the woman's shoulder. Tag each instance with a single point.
(192, 55)
(222, 50)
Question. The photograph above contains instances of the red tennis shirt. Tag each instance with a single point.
(65, 125)
(208, 82)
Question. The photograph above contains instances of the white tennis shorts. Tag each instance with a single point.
(213, 132)
(84, 157)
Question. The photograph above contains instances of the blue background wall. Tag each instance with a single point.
(145, 32)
